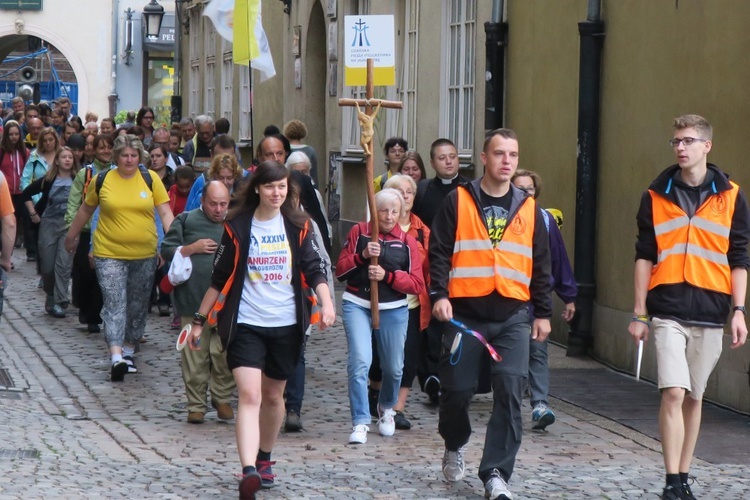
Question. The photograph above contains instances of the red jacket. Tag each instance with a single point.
(177, 200)
(11, 165)
(420, 232)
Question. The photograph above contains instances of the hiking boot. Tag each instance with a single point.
(671, 492)
(542, 417)
(432, 389)
(495, 488)
(386, 423)
(196, 417)
(118, 371)
(453, 464)
(131, 364)
(223, 410)
(266, 473)
(249, 485)
(359, 434)
(293, 422)
(402, 423)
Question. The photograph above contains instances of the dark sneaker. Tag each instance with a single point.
(266, 473)
(432, 389)
(56, 311)
(293, 422)
(163, 310)
(402, 423)
(93, 328)
(542, 417)
(372, 399)
(131, 364)
(673, 493)
(687, 492)
(249, 485)
(118, 371)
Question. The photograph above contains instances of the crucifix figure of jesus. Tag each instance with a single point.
(367, 122)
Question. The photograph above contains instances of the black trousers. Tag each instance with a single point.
(86, 292)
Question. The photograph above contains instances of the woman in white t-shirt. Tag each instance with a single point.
(261, 298)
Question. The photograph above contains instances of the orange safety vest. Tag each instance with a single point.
(477, 267)
(694, 249)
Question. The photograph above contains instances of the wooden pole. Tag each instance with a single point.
(374, 228)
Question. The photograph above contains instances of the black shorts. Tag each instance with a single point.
(273, 350)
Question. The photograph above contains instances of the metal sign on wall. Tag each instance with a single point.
(21, 4)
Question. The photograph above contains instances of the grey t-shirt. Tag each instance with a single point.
(57, 203)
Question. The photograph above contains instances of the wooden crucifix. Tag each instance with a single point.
(366, 120)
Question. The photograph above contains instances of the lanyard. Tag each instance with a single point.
(478, 336)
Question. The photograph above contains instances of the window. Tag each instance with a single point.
(227, 81)
(457, 79)
(245, 127)
(209, 96)
(194, 76)
(408, 86)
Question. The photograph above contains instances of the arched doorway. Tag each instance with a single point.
(315, 88)
(68, 68)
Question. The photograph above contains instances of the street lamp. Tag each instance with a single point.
(153, 14)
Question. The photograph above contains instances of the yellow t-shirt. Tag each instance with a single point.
(126, 229)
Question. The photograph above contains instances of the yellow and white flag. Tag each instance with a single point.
(233, 20)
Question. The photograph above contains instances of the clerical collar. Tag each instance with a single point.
(448, 181)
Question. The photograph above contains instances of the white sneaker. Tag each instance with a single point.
(496, 488)
(386, 423)
(359, 434)
(453, 464)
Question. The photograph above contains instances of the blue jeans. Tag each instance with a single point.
(538, 372)
(390, 341)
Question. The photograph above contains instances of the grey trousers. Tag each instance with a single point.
(54, 261)
(126, 289)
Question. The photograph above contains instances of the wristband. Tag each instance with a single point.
(641, 319)
(199, 319)
(742, 309)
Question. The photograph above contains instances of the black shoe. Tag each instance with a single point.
(94, 328)
(432, 389)
(372, 399)
(49, 303)
(118, 371)
(401, 422)
(163, 310)
(131, 364)
(687, 492)
(31, 258)
(293, 422)
(56, 312)
(673, 493)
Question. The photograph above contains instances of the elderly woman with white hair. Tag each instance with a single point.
(300, 162)
(398, 273)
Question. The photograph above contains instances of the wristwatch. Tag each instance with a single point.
(199, 319)
(742, 309)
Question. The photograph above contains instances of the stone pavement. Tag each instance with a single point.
(67, 432)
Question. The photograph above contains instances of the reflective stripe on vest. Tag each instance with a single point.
(478, 268)
(694, 250)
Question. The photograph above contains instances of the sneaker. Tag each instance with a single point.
(359, 434)
(432, 389)
(56, 311)
(293, 422)
(453, 464)
(93, 328)
(671, 492)
(687, 492)
(131, 364)
(495, 488)
(249, 485)
(402, 423)
(163, 310)
(372, 399)
(223, 410)
(386, 423)
(266, 473)
(175, 324)
(542, 417)
(118, 371)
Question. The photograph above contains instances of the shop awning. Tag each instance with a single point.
(165, 41)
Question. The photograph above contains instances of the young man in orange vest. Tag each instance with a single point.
(690, 274)
(489, 258)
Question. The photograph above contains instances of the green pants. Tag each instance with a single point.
(200, 367)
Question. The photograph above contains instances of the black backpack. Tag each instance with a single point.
(103, 174)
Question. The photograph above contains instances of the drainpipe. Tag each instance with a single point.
(591, 32)
(176, 100)
(113, 76)
(494, 93)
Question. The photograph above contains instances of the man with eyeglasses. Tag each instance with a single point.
(690, 275)
(197, 150)
(395, 148)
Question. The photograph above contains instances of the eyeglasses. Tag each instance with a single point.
(147, 117)
(687, 141)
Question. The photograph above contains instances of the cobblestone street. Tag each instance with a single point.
(67, 432)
